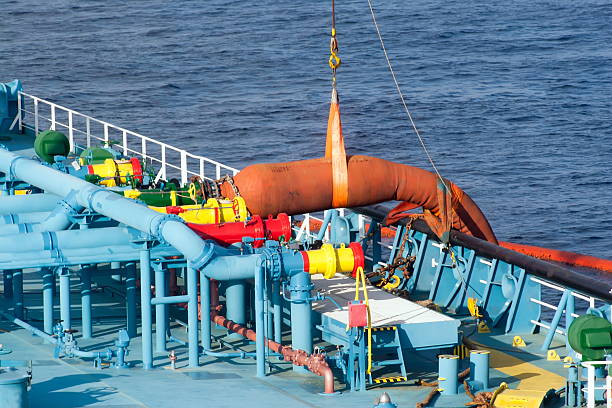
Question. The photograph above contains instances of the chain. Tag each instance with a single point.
(334, 60)
(230, 180)
(399, 262)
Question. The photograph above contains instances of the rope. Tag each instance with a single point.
(401, 95)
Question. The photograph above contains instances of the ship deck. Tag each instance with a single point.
(71, 382)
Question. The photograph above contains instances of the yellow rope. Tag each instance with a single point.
(361, 278)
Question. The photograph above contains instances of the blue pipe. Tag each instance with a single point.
(130, 298)
(62, 240)
(59, 219)
(22, 218)
(260, 347)
(168, 300)
(64, 278)
(192, 315)
(18, 293)
(300, 286)
(278, 312)
(326, 219)
(555, 321)
(86, 325)
(235, 296)
(48, 281)
(7, 279)
(77, 256)
(145, 309)
(126, 211)
(160, 311)
(205, 320)
(28, 203)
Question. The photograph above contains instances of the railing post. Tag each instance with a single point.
(88, 129)
(183, 167)
(217, 172)
(52, 117)
(163, 162)
(125, 149)
(70, 131)
(19, 109)
(106, 134)
(143, 148)
(201, 168)
(35, 117)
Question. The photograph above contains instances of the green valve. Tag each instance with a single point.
(51, 143)
(591, 336)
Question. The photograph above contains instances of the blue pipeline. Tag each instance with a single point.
(65, 316)
(48, 281)
(146, 316)
(235, 303)
(129, 212)
(18, 293)
(23, 218)
(62, 240)
(59, 219)
(86, 326)
(130, 298)
(161, 326)
(31, 203)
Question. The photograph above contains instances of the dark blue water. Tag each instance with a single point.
(513, 98)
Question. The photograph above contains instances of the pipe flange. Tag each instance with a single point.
(273, 263)
(205, 256)
(157, 225)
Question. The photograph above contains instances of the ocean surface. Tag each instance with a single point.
(514, 99)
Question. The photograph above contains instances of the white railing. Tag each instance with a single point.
(591, 385)
(587, 302)
(85, 131)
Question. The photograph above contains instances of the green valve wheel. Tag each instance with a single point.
(51, 143)
(591, 336)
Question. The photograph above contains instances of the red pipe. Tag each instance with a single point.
(569, 258)
(315, 362)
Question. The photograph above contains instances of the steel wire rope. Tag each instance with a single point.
(401, 95)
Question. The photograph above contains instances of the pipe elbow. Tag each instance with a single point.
(328, 380)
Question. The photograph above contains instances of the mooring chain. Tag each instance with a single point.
(399, 262)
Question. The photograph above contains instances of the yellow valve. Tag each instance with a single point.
(329, 261)
(213, 212)
(134, 194)
(518, 341)
(323, 261)
(113, 171)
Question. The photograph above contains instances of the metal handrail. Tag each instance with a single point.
(137, 147)
(591, 388)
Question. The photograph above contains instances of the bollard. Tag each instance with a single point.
(479, 369)
(448, 366)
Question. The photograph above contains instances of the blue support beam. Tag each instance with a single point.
(86, 326)
(130, 298)
(145, 309)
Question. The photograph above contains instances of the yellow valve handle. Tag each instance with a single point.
(360, 277)
(192, 192)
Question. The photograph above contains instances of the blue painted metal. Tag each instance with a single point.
(86, 326)
(14, 384)
(9, 94)
(555, 321)
(205, 320)
(299, 287)
(192, 315)
(145, 309)
(387, 343)
(160, 302)
(18, 293)
(235, 296)
(448, 370)
(278, 312)
(7, 280)
(259, 317)
(130, 298)
(64, 280)
(479, 369)
(326, 219)
(31, 203)
(34, 217)
(48, 282)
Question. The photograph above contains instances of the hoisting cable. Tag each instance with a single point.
(334, 143)
(401, 95)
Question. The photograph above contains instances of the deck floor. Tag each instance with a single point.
(69, 382)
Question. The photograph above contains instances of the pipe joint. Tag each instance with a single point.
(158, 223)
(272, 263)
(203, 258)
(10, 175)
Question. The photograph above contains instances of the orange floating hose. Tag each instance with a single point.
(569, 258)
